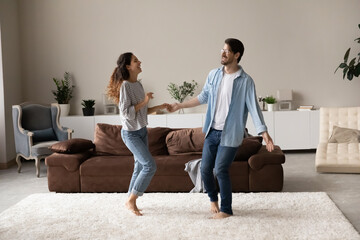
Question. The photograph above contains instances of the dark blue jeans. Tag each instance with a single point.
(219, 158)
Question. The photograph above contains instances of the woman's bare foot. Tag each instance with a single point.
(131, 205)
(214, 207)
(221, 215)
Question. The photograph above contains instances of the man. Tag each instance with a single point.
(230, 95)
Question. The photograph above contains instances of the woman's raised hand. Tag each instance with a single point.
(148, 96)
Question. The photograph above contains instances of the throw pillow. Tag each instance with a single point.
(75, 145)
(185, 141)
(344, 135)
(108, 140)
(157, 140)
(248, 147)
(44, 135)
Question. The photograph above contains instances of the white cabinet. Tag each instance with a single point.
(292, 129)
(289, 129)
(83, 126)
(269, 121)
(192, 120)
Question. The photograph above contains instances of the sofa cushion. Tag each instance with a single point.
(344, 135)
(185, 141)
(248, 147)
(75, 145)
(157, 140)
(108, 140)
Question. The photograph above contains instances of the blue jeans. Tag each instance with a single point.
(218, 158)
(144, 165)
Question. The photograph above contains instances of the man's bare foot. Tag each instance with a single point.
(214, 207)
(133, 208)
(221, 215)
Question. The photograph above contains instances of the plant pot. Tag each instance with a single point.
(270, 107)
(64, 109)
(88, 111)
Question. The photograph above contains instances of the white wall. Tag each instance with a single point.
(11, 74)
(288, 44)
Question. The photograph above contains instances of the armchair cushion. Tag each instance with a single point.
(248, 147)
(75, 145)
(43, 135)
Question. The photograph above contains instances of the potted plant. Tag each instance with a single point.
(270, 101)
(353, 68)
(179, 93)
(88, 107)
(63, 93)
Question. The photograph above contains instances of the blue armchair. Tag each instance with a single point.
(36, 127)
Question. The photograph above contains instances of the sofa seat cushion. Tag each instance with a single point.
(173, 165)
(107, 166)
(42, 148)
(338, 157)
(124, 165)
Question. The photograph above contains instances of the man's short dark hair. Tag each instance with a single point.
(236, 46)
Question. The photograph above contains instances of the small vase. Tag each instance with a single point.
(64, 109)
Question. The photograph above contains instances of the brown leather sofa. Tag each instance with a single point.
(106, 165)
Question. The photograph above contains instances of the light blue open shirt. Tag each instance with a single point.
(243, 100)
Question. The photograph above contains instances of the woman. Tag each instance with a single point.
(126, 90)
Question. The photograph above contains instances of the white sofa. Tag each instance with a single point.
(338, 157)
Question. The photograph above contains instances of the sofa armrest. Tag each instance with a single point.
(70, 162)
(263, 157)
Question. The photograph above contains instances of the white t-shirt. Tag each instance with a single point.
(224, 99)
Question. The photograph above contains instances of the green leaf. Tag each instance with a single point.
(350, 76)
(357, 70)
(346, 55)
(358, 40)
(345, 71)
(352, 62)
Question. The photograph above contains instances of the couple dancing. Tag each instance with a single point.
(230, 95)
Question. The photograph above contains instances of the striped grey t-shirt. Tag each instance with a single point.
(131, 94)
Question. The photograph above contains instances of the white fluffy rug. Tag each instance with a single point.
(175, 216)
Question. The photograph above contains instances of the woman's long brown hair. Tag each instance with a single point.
(119, 74)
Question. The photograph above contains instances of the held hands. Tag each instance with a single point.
(173, 107)
(269, 142)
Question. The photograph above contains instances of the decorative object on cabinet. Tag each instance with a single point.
(88, 107)
(179, 93)
(63, 93)
(36, 127)
(109, 106)
(285, 97)
(270, 101)
(261, 101)
(306, 108)
(352, 69)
